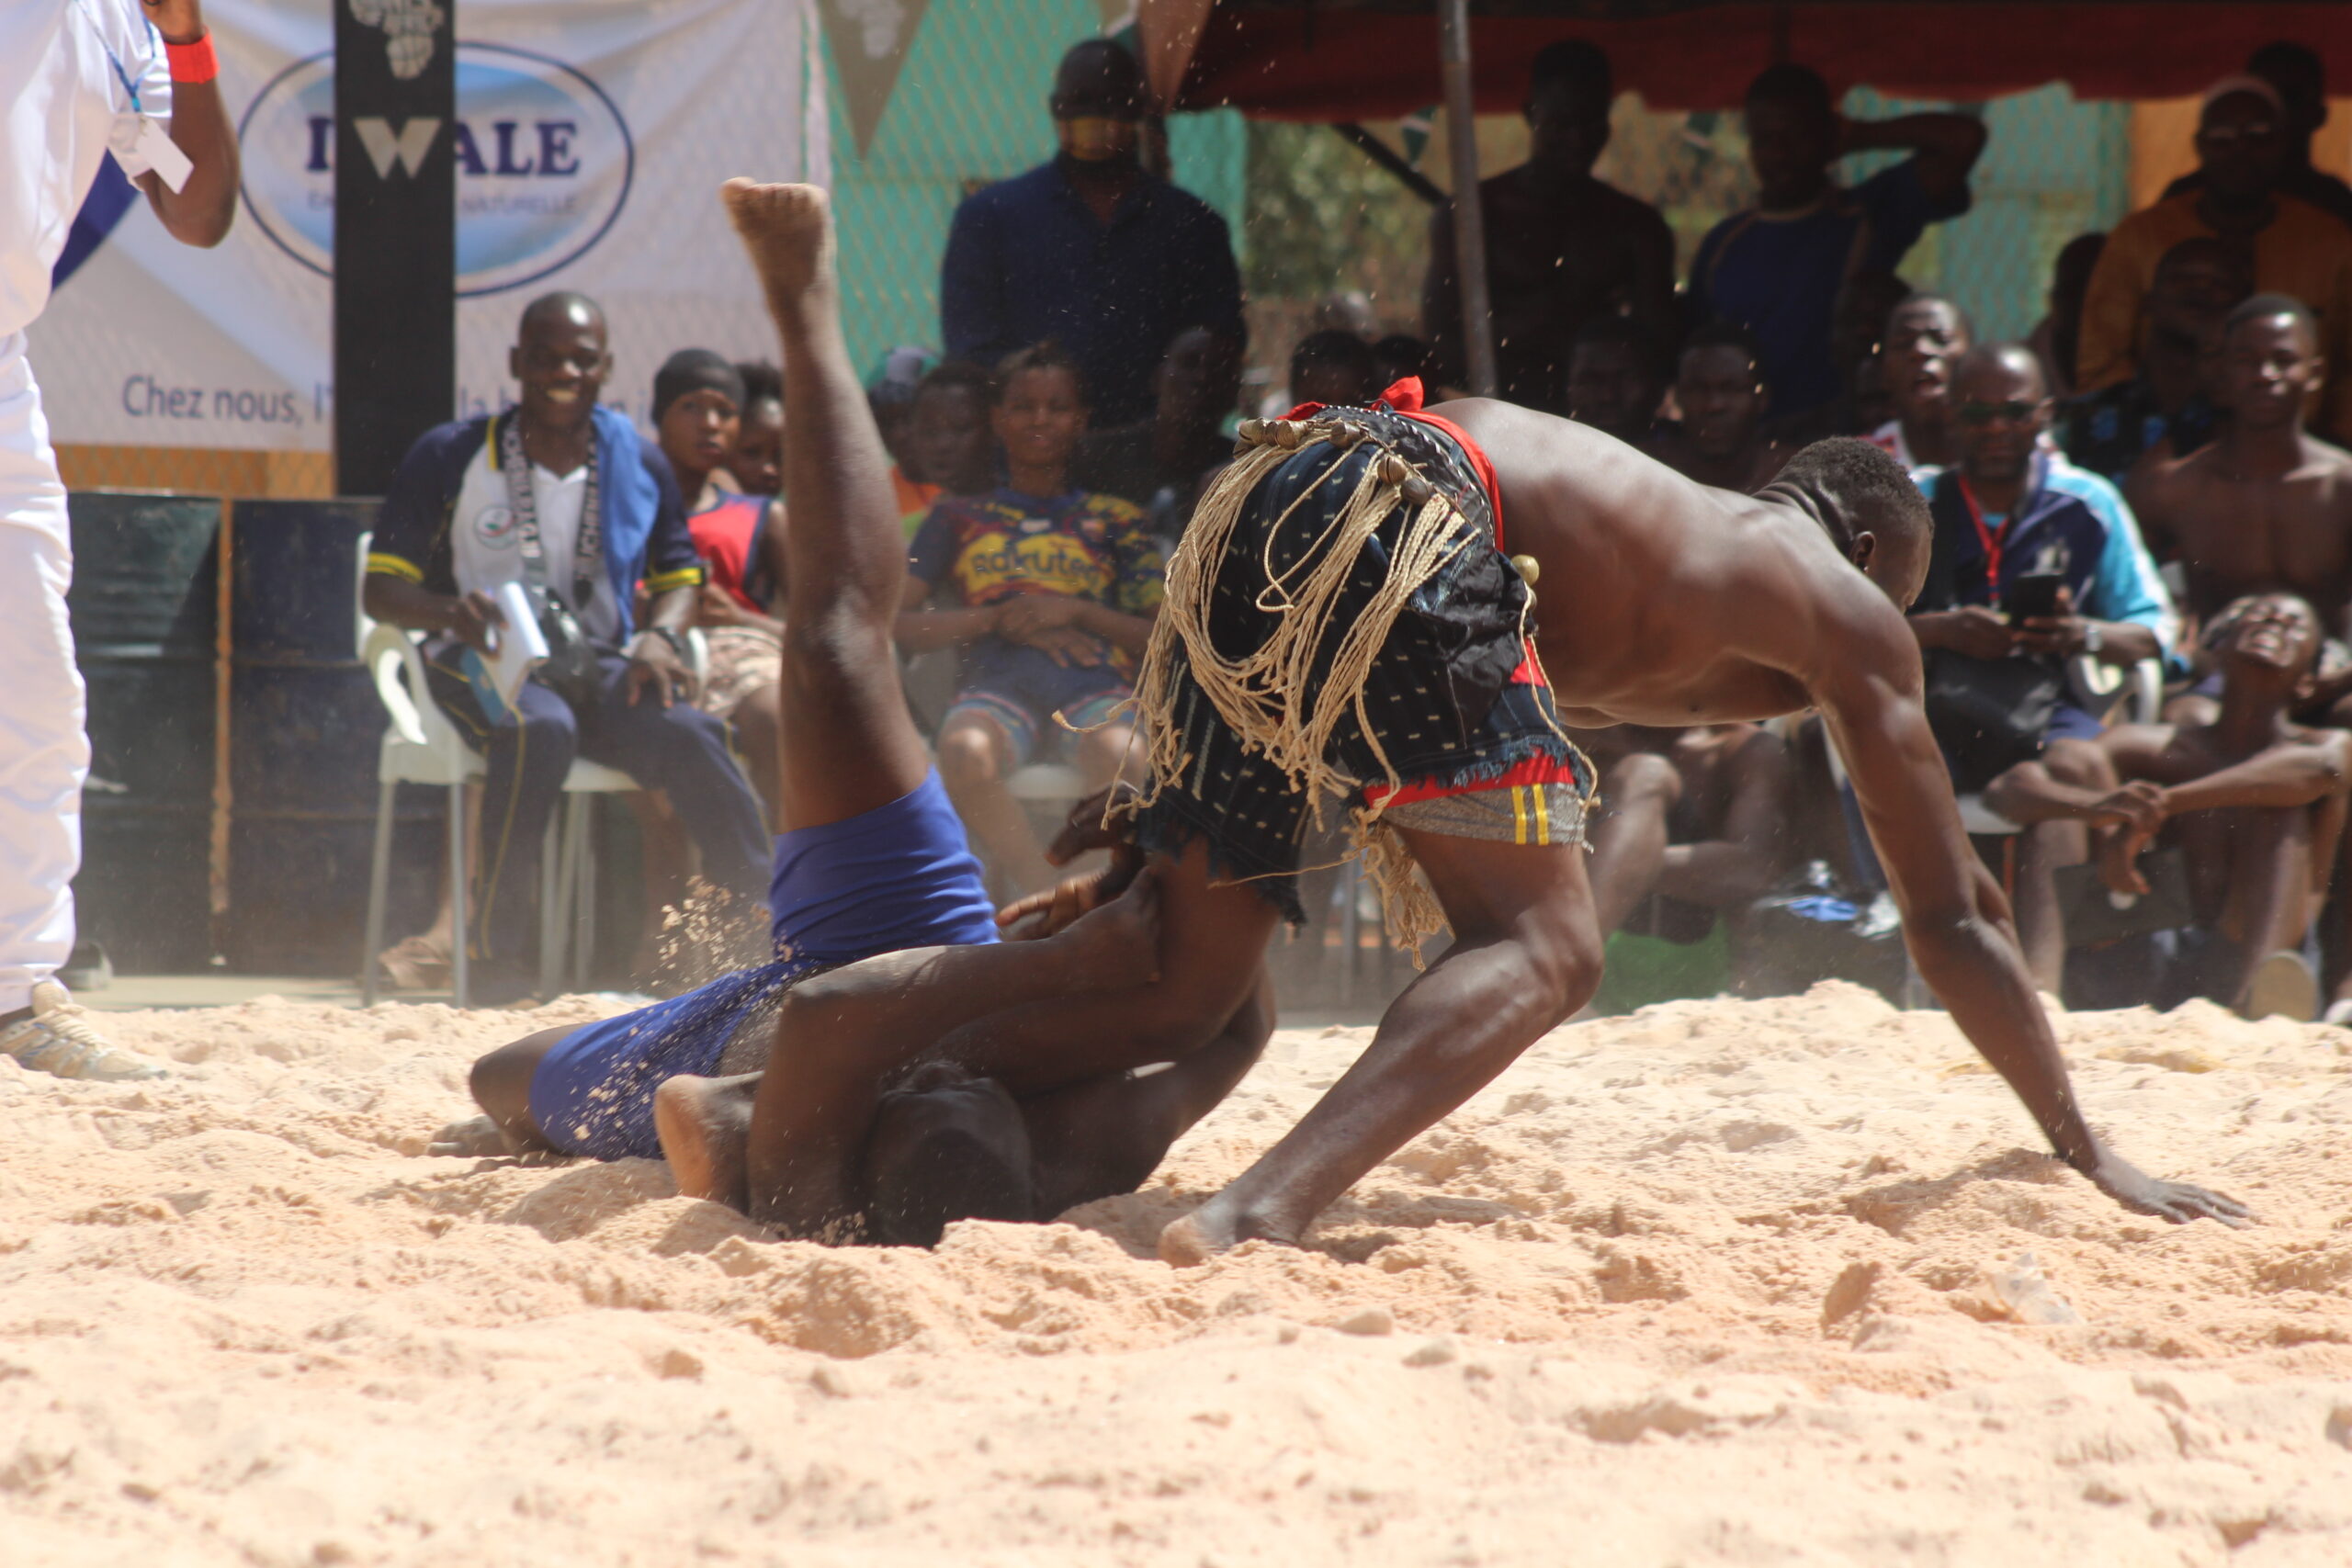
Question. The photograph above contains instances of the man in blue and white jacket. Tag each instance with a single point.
(2013, 507)
(563, 495)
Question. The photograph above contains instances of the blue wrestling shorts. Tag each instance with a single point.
(900, 875)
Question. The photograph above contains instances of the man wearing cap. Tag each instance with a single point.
(78, 82)
(2299, 250)
(1090, 251)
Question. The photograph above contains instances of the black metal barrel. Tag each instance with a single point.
(305, 726)
(143, 603)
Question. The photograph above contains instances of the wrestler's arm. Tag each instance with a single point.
(1107, 1136)
(1866, 679)
(1741, 865)
(200, 211)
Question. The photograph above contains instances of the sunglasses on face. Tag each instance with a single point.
(2014, 411)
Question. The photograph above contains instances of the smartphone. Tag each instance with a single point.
(2032, 595)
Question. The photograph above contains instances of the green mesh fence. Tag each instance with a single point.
(968, 107)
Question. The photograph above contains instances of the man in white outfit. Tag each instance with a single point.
(78, 79)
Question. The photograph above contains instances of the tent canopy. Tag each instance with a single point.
(1347, 60)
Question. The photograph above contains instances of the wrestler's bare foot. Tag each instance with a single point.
(1217, 1226)
(705, 1124)
(789, 229)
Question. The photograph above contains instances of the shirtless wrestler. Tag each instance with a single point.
(871, 860)
(1664, 603)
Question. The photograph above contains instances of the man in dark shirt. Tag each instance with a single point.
(1776, 270)
(1090, 251)
(1561, 246)
(2301, 81)
(2199, 282)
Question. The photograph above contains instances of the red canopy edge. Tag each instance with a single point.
(1333, 63)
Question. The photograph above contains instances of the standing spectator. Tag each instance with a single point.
(1562, 247)
(2264, 507)
(1334, 367)
(1720, 388)
(1776, 270)
(2010, 508)
(2301, 80)
(1055, 589)
(83, 78)
(1090, 251)
(559, 494)
(1616, 378)
(1926, 335)
(757, 462)
(2165, 403)
(1856, 333)
(2057, 337)
(2298, 249)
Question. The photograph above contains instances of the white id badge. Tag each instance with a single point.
(161, 154)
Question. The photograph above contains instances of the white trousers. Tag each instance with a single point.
(44, 755)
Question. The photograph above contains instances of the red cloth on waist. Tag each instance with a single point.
(1405, 398)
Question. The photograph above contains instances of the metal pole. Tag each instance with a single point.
(1469, 222)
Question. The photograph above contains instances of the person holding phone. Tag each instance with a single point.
(2034, 562)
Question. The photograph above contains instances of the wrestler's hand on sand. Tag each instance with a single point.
(2174, 1201)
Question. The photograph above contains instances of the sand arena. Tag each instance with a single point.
(1719, 1283)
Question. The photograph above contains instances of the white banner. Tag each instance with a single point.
(592, 139)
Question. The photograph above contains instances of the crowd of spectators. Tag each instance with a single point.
(2133, 630)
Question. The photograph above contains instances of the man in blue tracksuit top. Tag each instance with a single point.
(559, 494)
(2012, 508)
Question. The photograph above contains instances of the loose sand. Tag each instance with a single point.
(1718, 1283)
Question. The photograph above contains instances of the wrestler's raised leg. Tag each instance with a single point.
(502, 1087)
(1526, 955)
(847, 742)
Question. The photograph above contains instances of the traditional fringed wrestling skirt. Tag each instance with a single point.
(1342, 629)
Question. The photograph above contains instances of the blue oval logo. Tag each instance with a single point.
(544, 163)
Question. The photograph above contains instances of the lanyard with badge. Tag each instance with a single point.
(1992, 541)
(570, 668)
(154, 144)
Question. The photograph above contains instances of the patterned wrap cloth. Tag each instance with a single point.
(1364, 641)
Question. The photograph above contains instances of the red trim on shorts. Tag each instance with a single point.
(1534, 770)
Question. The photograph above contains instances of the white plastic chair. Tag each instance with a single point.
(421, 746)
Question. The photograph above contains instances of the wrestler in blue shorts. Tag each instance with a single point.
(872, 860)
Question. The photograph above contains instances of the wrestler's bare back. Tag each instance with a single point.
(1662, 602)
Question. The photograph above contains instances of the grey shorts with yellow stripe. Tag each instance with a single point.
(1516, 813)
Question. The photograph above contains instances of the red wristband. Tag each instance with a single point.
(192, 63)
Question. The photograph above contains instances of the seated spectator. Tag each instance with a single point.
(2165, 405)
(757, 464)
(1157, 465)
(2059, 334)
(696, 397)
(1562, 247)
(1616, 378)
(1090, 251)
(2301, 80)
(950, 448)
(1693, 828)
(1337, 368)
(480, 502)
(1055, 589)
(1926, 335)
(1776, 270)
(1400, 355)
(1720, 388)
(2256, 801)
(890, 394)
(2265, 507)
(2298, 249)
(2012, 509)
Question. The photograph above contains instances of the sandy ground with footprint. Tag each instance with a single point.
(1719, 1283)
